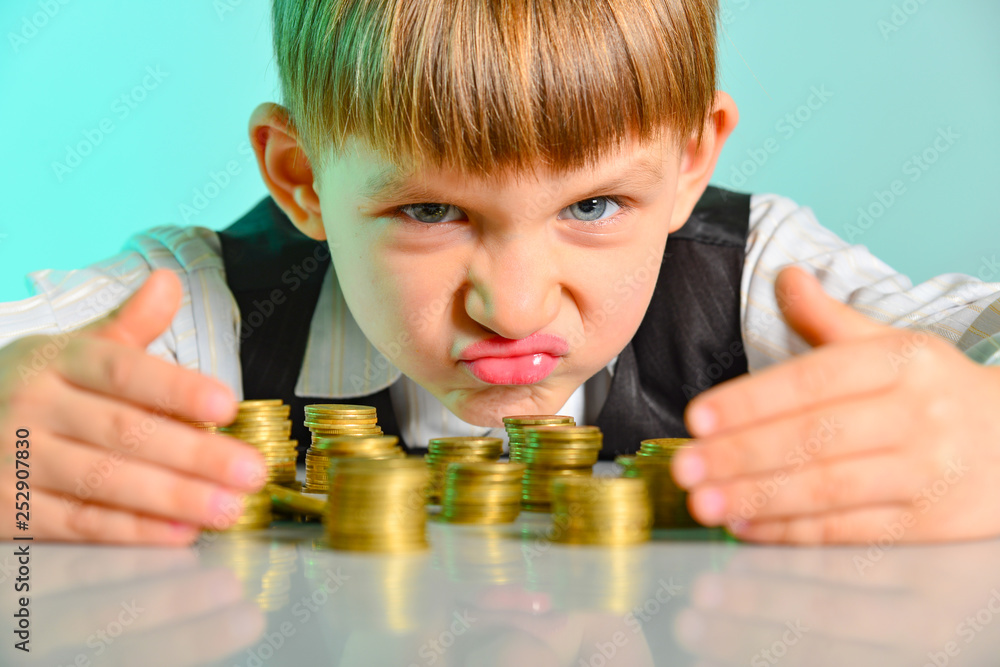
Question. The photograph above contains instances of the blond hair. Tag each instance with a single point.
(491, 85)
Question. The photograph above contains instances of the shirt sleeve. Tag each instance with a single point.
(202, 335)
(955, 307)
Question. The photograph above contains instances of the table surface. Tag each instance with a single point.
(508, 595)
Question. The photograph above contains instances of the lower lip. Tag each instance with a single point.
(526, 369)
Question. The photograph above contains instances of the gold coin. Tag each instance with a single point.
(263, 402)
(522, 420)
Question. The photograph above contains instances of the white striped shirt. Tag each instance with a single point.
(340, 363)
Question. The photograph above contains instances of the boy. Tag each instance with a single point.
(495, 185)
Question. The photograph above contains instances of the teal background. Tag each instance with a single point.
(890, 94)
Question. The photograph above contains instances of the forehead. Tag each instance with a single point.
(378, 179)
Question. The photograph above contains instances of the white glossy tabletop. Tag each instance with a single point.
(508, 596)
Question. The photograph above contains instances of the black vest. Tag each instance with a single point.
(688, 340)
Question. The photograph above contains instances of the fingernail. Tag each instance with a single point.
(248, 472)
(710, 505)
(224, 508)
(689, 468)
(702, 420)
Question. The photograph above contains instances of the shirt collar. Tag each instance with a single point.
(339, 361)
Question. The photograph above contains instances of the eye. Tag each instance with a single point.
(431, 213)
(593, 209)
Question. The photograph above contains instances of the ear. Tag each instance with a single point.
(698, 159)
(285, 168)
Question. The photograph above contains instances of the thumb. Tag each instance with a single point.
(146, 314)
(817, 316)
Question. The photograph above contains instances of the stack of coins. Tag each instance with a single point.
(442, 451)
(669, 501)
(330, 420)
(662, 446)
(516, 424)
(653, 464)
(265, 425)
(256, 512)
(377, 505)
(345, 447)
(482, 492)
(593, 510)
(554, 452)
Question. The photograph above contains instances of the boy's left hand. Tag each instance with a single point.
(879, 434)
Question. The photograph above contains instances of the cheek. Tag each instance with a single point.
(613, 299)
(399, 301)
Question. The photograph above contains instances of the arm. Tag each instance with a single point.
(953, 307)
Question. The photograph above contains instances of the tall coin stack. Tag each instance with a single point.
(662, 446)
(594, 510)
(516, 424)
(377, 505)
(442, 451)
(330, 420)
(555, 452)
(256, 513)
(480, 492)
(345, 447)
(653, 464)
(265, 425)
(669, 501)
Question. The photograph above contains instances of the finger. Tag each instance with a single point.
(146, 314)
(794, 440)
(156, 438)
(815, 315)
(850, 370)
(115, 480)
(109, 368)
(853, 526)
(66, 519)
(816, 489)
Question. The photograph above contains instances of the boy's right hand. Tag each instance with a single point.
(106, 461)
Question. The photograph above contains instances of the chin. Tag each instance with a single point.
(488, 407)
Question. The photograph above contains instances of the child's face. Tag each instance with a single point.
(549, 260)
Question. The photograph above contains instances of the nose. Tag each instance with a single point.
(514, 287)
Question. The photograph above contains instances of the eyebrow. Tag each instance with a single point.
(389, 185)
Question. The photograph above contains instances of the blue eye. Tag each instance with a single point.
(590, 210)
(430, 213)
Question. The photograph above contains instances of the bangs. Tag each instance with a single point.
(487, 86)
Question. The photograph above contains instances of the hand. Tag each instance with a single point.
(878, 433)
(106, 461)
